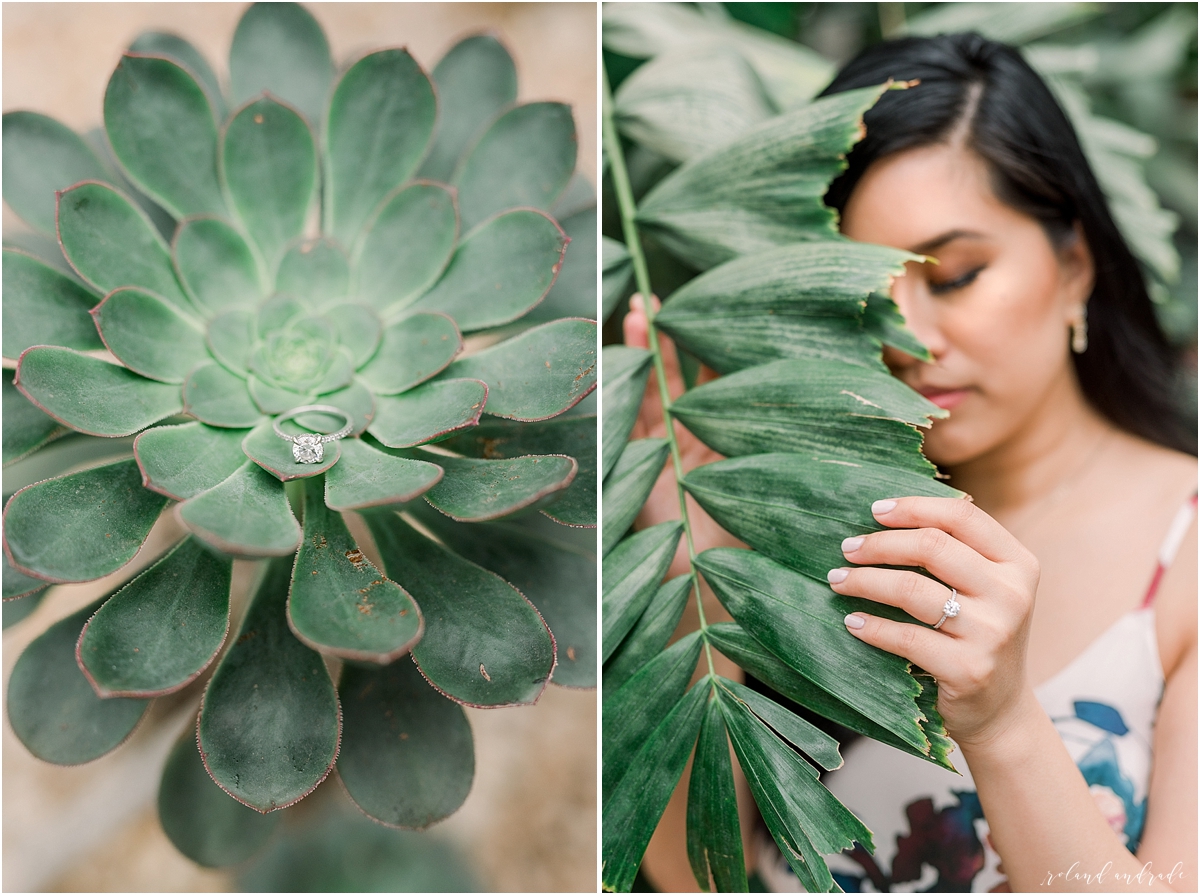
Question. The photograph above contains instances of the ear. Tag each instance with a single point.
(1077, 271)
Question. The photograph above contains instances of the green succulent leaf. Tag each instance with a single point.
(149, 336)
(475, 81)
(537, 374)
(554, 567)
(575, 436)
(626, 372)
(215, 396)
(629, 484)
(44, 307)
(271, 399)
(81, 526)
(525, 158)
(408, 758)
(484, 644)
(199, 818)
(274, 455)
(384, 100)
(161, 630)
(714, 836)
(183, 461)
(269, 724)
(500, 271)
(178, 50)
(53, 709)
(632, 810)
(798, 509)
(92, 218)
(479, 490)
(356, 399)
(26, 427)
(406, 246)
(215, 266)
(631, 574)
(413, 349)
(654, 628)
(574, 291)
(269, 166)
(280, 48)
(365, 477)
(163, 131)
(314, 269)
(430, 412)
(340, 603)
(759, 593)
(91, 395)
(245, 515)
(358, 331)
(230, 339)
(827, 408)
(793, 302)
(42, 156)
(18, 585)
(764, 189)
(18, 609)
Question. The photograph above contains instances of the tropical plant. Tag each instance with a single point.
(717, 159)
(210, 262)
(815, 429)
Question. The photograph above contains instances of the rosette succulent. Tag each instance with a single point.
(314, 237)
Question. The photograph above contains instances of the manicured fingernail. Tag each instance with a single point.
(851, 544)
(837, 576)
(880, 507)
(854, 621)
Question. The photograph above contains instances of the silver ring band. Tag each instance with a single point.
(950, 610)
(310, 448)
(315, 408)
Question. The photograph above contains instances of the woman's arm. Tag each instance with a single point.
(1042, 817)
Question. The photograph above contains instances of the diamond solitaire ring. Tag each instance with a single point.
(311, 448)
(951, 609)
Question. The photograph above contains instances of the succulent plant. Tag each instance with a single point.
(313, 238)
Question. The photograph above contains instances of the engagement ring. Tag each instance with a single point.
(311, 448)
(950, 610)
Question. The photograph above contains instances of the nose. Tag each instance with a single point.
(912, 297)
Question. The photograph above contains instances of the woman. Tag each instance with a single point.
(1075, 713)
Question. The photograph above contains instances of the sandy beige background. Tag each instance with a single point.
(529, 823)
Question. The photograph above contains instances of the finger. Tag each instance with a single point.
(636, 327)
(932, 650)
(960, 518)
(945, 557)
(920, 597)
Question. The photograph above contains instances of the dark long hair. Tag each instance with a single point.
(1009, 118)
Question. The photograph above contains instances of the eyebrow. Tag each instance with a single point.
(937, 242)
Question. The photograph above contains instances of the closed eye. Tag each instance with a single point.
(961, 282)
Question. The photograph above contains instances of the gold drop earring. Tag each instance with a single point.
(1079, 340)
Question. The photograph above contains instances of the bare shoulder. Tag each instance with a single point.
(1169, 478)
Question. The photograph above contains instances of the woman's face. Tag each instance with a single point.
(995, 309)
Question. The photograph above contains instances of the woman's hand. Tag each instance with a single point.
(977, 657)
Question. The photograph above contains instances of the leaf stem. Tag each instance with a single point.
(628, 208)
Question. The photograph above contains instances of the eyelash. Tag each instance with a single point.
(962, 282)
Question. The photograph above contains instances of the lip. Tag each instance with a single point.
(945, 398)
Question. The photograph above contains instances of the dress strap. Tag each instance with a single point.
(1170, 546)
